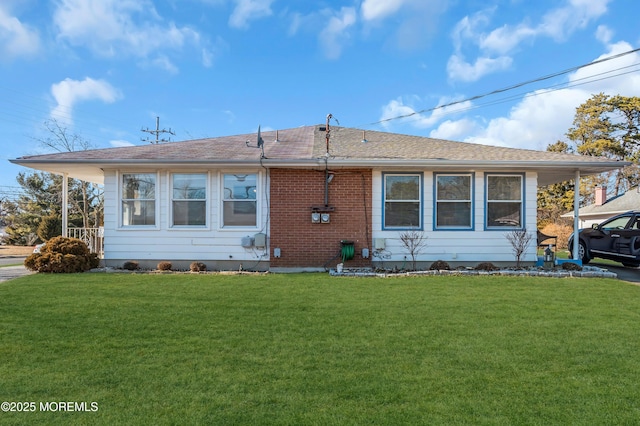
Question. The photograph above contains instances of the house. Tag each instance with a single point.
(603, 209)
(307, 198)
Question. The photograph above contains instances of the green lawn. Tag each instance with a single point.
(312, 349)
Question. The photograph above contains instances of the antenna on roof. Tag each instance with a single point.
(259, 143)
(328, 130)
(157, 132)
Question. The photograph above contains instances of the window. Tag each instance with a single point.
(504, 195)
(239, 200)
(189, 199)
(453, 201)
(138, 199)
(402, 201)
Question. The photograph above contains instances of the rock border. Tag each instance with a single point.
(587, 272)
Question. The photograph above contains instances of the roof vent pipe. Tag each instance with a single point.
(364, 137)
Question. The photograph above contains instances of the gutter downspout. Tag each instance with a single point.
(576, 222)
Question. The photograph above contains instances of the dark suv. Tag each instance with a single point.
(617, 238)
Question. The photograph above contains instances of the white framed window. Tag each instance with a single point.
(454, 201)
(402, 201)
(189, 199)
(239, 200)
(138, 191)
(504, 201)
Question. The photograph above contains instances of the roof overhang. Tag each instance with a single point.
(548, 173)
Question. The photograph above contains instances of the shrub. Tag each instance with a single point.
(62, 255)
(570, 266)
(440, 265)
(130, 265)
(562, 231)
(197, 267)
(164, 266)
(486, 266)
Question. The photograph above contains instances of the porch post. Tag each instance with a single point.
(576, 221)
(65, 204)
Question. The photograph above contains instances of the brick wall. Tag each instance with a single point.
(306, 244)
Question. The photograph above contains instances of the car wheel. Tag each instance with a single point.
(582, 253)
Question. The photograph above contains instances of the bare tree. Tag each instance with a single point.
(89, 199)
(61, 140)
(520, 240)
(414, 241)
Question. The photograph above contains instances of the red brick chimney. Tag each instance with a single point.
(601, 195)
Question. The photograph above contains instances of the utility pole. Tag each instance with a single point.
(157, 132)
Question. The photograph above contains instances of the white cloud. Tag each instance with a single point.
(460, 70)
(537, 121)
(380, 9)
(604, 34)
(249, 10)
(120, 143)
(563, 21)
(335, 33)
(69, 92)
(493, 46)
(16, 38)
(116, 27)
(401, 108)
(541, 118)
(163, 62)
(455, 129)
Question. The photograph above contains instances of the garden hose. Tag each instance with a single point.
(347, 251)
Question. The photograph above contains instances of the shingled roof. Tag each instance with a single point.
(307, 147)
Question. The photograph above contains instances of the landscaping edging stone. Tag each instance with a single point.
(587, 272)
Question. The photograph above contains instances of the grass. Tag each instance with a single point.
(311, 349)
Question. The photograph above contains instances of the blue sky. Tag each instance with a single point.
(105, 69)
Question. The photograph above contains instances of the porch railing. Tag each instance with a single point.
(93, 238)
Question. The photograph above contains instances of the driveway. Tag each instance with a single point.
(624, 273)
(12, 260)
(10, 272)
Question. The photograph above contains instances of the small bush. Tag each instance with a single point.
(486, 266)
(62, 255)
(131, 265)
(440, 265)
(570, 266)
(197, 267)
(164, 266)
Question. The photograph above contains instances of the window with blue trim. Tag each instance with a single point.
(453, 201)
(504, 201)
(402, 201)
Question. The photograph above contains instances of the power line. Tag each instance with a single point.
(544, 91)
(508, 88)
